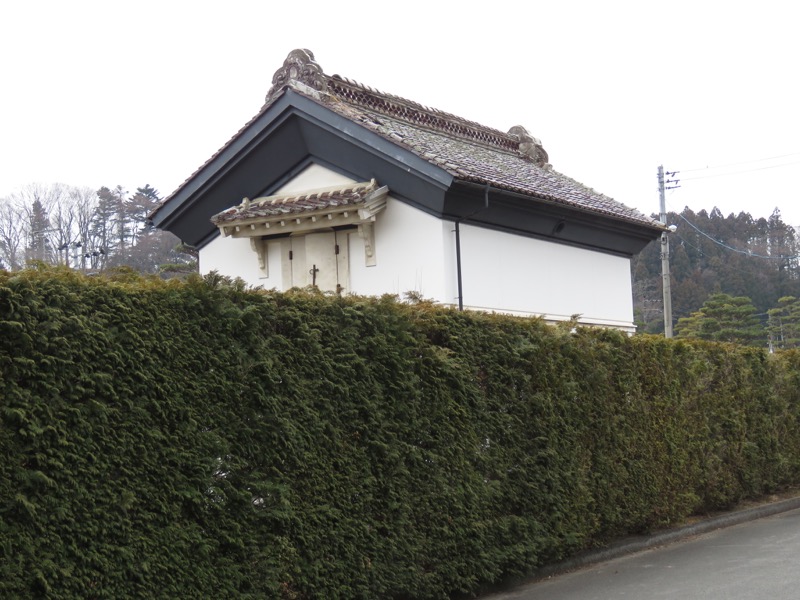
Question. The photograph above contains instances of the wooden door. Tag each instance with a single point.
(319, 259)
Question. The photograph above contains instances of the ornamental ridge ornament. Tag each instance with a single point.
(299, 67)
(529, 146)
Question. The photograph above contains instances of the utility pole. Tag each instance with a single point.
(665, 257)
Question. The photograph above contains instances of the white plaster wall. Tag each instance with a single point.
(231, 257)
(313, 177)
(511, 273)
(416, 252)
(408, 249)
(408, 252)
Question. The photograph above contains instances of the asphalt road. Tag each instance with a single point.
(755, 560)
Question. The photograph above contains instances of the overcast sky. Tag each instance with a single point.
(135, 93)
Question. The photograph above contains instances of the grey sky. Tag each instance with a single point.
(106, 93)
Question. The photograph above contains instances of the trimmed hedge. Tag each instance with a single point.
(183, 440)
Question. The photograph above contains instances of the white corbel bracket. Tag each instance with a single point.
(259, 246)
(366, 232)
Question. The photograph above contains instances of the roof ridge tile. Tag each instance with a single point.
(364, 96)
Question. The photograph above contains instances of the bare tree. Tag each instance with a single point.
(64, 223)
(37, 202)
(84, 202)
(12, 234)
(86, 229)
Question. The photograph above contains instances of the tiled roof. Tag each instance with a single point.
(287, 204)
(482, 162)
(513, 161)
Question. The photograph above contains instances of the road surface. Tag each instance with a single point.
(755, 560)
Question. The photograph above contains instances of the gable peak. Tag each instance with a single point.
(299, 67)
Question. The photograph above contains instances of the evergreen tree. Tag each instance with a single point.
(736, 255)
(784, 323)
(39, 247)
(108, 231)
(88, 230)
(724, 318)
(137, 209)
(783, 247)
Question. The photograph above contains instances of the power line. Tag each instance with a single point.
(688, 243)
(747, 162)
(737, 250)
(734, 173)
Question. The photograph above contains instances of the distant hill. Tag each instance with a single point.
(711, 253)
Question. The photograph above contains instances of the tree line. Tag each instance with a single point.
(733, 278)
(89, 230)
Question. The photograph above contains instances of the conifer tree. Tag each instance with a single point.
(39, 247)
(108, 229)
(738, 255)
(784, 323)
(724, 318)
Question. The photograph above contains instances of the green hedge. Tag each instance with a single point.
(185, 440)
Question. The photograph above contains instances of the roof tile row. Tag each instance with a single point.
(281, 204)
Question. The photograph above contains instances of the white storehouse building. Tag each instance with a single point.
(337, 185)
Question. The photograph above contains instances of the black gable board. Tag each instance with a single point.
(239, 169)
(290, 134)
(502, 210)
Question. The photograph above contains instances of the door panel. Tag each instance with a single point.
(297, 262)
(320, 259)
(320, 267)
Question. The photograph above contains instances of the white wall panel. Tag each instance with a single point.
(408, 252)
(530, 276)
